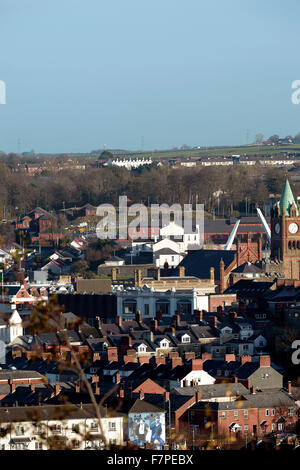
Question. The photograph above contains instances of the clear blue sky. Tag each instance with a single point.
(81, 74)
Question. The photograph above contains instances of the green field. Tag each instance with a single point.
(216, 151)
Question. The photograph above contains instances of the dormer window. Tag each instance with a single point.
(185, 339)
(142, 348)
(164, 343)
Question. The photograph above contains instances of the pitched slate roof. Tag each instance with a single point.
(249, 288)
(143, 406)
(214, 390)
(198, 262)
(247, 268)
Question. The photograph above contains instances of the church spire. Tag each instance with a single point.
(287, 199)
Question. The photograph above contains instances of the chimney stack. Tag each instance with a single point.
(12, 385)
(167, 396)
(222, 277)
(245, 359)
(264, 361)
(159, 360)
(32, 387)
(220, 311)
(198, 396)
(159, 315)
(197, 364)
(141, 394)
(206, 356)
(198, 316)
(153, 325)
(119, 320)
(117, 378)
(176, 361)
(229, 357)
(144, 360)
(181, 270)
(138, 316)
(289, 387)
(189, 355)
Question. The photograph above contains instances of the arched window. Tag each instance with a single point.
(163, 306)
(129, 307)
(184, 307)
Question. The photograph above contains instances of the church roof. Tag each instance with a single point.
(287, 199)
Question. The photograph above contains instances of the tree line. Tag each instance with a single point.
(223, 190)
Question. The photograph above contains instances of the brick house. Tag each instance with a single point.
(255, 414)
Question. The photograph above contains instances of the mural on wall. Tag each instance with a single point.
(147, 428)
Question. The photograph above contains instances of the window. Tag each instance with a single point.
(163, 306)
(112, 426)
(129, 307)
(245, 414)
(19, 430)
(267, 412)
(164, 344)
(113, 441)
(94, 426)
(142, 348)
(280, 426)
(272, 412)
(223, 415)
(246, 347)
(185, 339)
(147, 310)
(246, 428)
(38, 446)
(273, 427)
(291, 412)
(236, 414)
(38, 429)
(184, 307)
(75, 428)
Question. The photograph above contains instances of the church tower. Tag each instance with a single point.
(285, 233)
